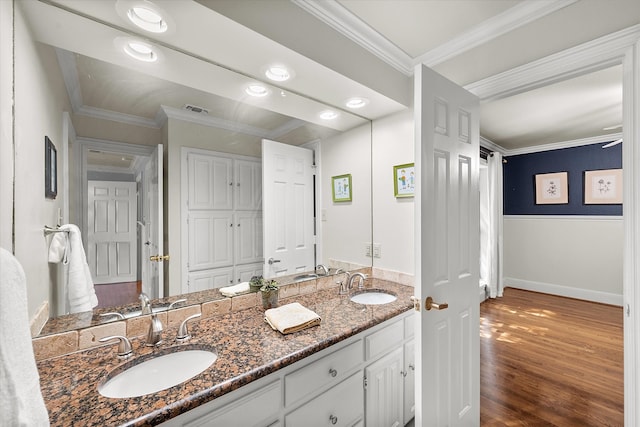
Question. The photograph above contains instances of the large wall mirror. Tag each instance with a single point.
(170, 201)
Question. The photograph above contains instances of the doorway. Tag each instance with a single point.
(114, 213)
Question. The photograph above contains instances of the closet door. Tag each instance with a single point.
(210, 182)
(210, 240)
(248, 237)
(247, 185)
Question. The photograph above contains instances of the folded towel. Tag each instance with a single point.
(21, 402)
(232, 291)
(59, 248)
(291, 318)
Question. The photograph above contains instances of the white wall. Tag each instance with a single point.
(39, 105)
(571, 256)
(346, 226)
(393, 218)
(6, 124)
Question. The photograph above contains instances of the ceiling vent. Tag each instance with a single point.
(196, 109)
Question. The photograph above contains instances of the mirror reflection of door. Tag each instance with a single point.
(122, 220)
(289, 241)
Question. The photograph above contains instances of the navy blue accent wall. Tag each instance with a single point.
(520, 171)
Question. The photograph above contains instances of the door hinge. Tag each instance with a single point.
(628, 310)
(364, 382)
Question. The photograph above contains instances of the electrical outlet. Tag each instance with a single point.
(367, 249)
(377, 250)
(323, 214)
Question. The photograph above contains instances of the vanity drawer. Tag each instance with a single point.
(384, 340)
(329, 370)
(259, 408)
(342, 405)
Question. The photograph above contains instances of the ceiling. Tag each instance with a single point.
(338, 49)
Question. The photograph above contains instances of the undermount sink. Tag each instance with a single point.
(158, 373)
(373, 297)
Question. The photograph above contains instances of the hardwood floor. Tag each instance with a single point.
(550, 361)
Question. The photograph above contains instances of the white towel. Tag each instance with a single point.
(82, 295)
(291, 318)
(21, 402)
(235, 290)
(59, 248)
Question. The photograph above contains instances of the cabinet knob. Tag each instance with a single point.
(333, 372)
(333, 419)
(413, 368)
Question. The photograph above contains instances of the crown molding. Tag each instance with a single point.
(602, 139)
(512, 18)
(166, 112)
(349, 25)
(594, 55)
(114, 116)
(487, 143)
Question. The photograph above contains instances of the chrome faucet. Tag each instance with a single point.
(145, 304)
(154, 336)
(124, 347)
(344, 289)
(323, 268)
(183, 332)
(352, 278)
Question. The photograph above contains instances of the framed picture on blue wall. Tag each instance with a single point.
(603, 187)
(552, 188)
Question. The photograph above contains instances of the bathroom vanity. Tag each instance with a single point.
(356, 367)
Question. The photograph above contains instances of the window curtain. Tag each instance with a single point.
(491, 267)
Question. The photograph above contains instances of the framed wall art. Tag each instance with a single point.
(404, 180)
(603, 187)
(552, 188)
(341, 188)
(50, 169)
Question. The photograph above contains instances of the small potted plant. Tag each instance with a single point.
(255, 283)
(269, 290)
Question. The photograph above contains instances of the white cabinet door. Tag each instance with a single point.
(384, 388)
(210, 240)
(210, 182)
(244, 273)
(409, 381)
(210, 279)
(248, 237)
(247, 185)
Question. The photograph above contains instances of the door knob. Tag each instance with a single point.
(273, 261)
(159, 258)
(429, 304)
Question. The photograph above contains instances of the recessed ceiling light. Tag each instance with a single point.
(257, 90)
(278, 73)
(328, 115)
(141, 51)
(356, 102)
(148, 19)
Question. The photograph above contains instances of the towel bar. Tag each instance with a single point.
(48, 230)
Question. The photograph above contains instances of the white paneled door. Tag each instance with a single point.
(287, 176)
(111, 235)
(447, 246)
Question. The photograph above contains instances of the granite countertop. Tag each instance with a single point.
(247, 348)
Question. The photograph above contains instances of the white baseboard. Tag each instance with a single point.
(565, 291)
